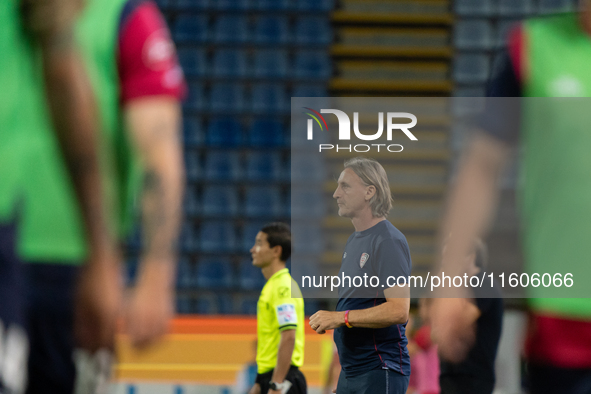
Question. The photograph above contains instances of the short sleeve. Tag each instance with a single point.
(392, 259)
(147, 60)
(284, 308)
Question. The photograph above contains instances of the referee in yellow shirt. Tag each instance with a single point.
(280, 318)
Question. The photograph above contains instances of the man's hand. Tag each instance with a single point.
(98, 303)
(256, 389)
(325, 320)
(150, 306)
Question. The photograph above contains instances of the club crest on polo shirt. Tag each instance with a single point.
(363, 260)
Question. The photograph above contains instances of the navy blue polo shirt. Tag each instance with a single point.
(380, 251)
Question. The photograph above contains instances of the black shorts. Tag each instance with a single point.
(546, 379)
(13, 337)
(376, 381)
(294, 375)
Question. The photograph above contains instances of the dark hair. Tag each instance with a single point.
(279, 234)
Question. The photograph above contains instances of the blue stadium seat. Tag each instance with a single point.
(214, 304)
(312, 65)
(515, 8)
(263, 166)
(224, 132)
(193, 165)
(554, 6)
(230, 63)
(263, 201)
(313, 30)
(271, 30)
(474, 8)
(248, 306)
(471, 69)
(191, 201)
(504, 27)
(192, 5)
(307, 168)
(309, 91)
(266, 133)
(232, 5)
(223, 166)
(185, 274)
(307, 204)
(214, 273)
(249, 233)
(188, 238)
(315, 5)
(231, 29)
(192, 132)
(217, 236)
(184, 304)
(191, 29)
(251, 277)
(220, 201)
(271, 5)
(308, 238)
(196, 98)
(269, 98)
(270, 63)
(227, 97)
(193, 61)
(473, 34)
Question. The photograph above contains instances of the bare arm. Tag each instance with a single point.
(470, 209)
(286, 346)
(74, 116)
(154, 124)
(394, 311)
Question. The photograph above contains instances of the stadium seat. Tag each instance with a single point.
(312, 65)
(184, 304)
(271, 5)
(504, 27)
(309, 91)
(271, 30)
(191, 201)
(231, 5)
(315, 5)
(193, 165)
(231, 29)
(191, 5)
(313, 30)
(192, 132)
(269, 98)
(266, 133)
(269, 63)
(193, 61)
(473, 8)
(554, 6)
(230, 63)
(248, 306)
(471, 69)
(473, 34)
(187, 238)
(249, 233)
(224, 132)
(308, 239)
(223, 166)
(515, 8)
(263, 201)
(214, 274)
(185, 274)
(219, 201)
(191, 29)
(307, 204)
(307, 168)
(196, 98)
(227, 97)
(217, 236)
(251, 277)
(211, 304)
(263, 166)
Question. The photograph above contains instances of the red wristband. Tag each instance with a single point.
(347, 319)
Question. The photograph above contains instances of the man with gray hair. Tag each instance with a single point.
(370, 319)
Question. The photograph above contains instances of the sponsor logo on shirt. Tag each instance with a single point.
(345, 255)
(363, 260)
(158, 50)
(286, 314)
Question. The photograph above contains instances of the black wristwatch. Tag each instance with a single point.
(276, 386)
